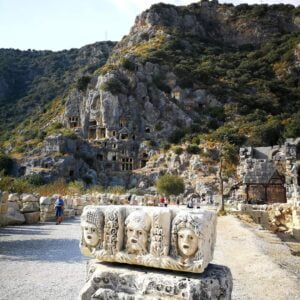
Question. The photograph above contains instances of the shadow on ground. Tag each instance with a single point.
(24, 231)
(50, 250)
(291, 242)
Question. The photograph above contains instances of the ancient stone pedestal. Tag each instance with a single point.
(116, 281)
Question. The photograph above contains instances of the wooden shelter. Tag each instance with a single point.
(266, 189)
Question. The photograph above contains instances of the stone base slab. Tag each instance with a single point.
(115, 281)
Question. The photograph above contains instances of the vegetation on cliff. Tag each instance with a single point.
(30, 80)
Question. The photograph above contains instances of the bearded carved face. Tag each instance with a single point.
(187, 242)
(90, 234)
(136, 240)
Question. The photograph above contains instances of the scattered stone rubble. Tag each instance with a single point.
(276, 217)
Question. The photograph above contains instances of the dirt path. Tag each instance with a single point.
(261, 265)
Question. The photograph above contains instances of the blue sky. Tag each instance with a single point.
(65, 24)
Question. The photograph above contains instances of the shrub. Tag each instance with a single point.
(112, 85)
(68, 133)
(158, 126)
(116, 190)
(128, 65)
(149, 143)
(170, 185)
(193, 149)
(136, 191)
(158, 81)
(35, 179)
(96, 189)
(228, 134)
(176, 136)
(57, 187)
(57, 125)
(76, 187)
(177, 150)
(6, 163)
(165, 146)
(20, 185)
(5, 182)
(292, 129)
(83, 82)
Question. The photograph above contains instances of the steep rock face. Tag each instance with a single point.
(220, 22)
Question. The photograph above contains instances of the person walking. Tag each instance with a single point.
(59, 209)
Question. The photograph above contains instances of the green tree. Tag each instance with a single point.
(292, 129)
(193, 149)
(228, 158)
(170, 185)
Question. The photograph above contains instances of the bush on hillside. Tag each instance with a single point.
(170, 185)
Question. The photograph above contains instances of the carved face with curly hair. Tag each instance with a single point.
(92, 226)
(186, 236)
(187, 242)
(138, 225)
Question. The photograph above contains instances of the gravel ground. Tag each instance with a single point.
(261, 264)
(44, 262)
(41, 261)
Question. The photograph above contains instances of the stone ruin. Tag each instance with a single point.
(164, 239)
(270, 174)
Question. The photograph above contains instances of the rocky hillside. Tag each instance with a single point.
(31, 79)
(203, 72)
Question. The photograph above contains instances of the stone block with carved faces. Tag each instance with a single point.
(159, 237)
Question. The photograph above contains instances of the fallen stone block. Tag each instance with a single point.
(29, 198)
(14, 217)
(30, 207)
(13, 197)
(46, 201)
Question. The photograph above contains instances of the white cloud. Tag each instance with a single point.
(137, 6)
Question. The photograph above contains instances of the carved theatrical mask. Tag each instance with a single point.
(137, 229)
(90, 234)
(187, 242)
(92, 227)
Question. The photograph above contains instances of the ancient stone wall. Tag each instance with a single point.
(29, 208)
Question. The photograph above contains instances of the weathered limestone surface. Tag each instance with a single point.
(13, 215)
(107, 281)
(32, 217)
(167, 238)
